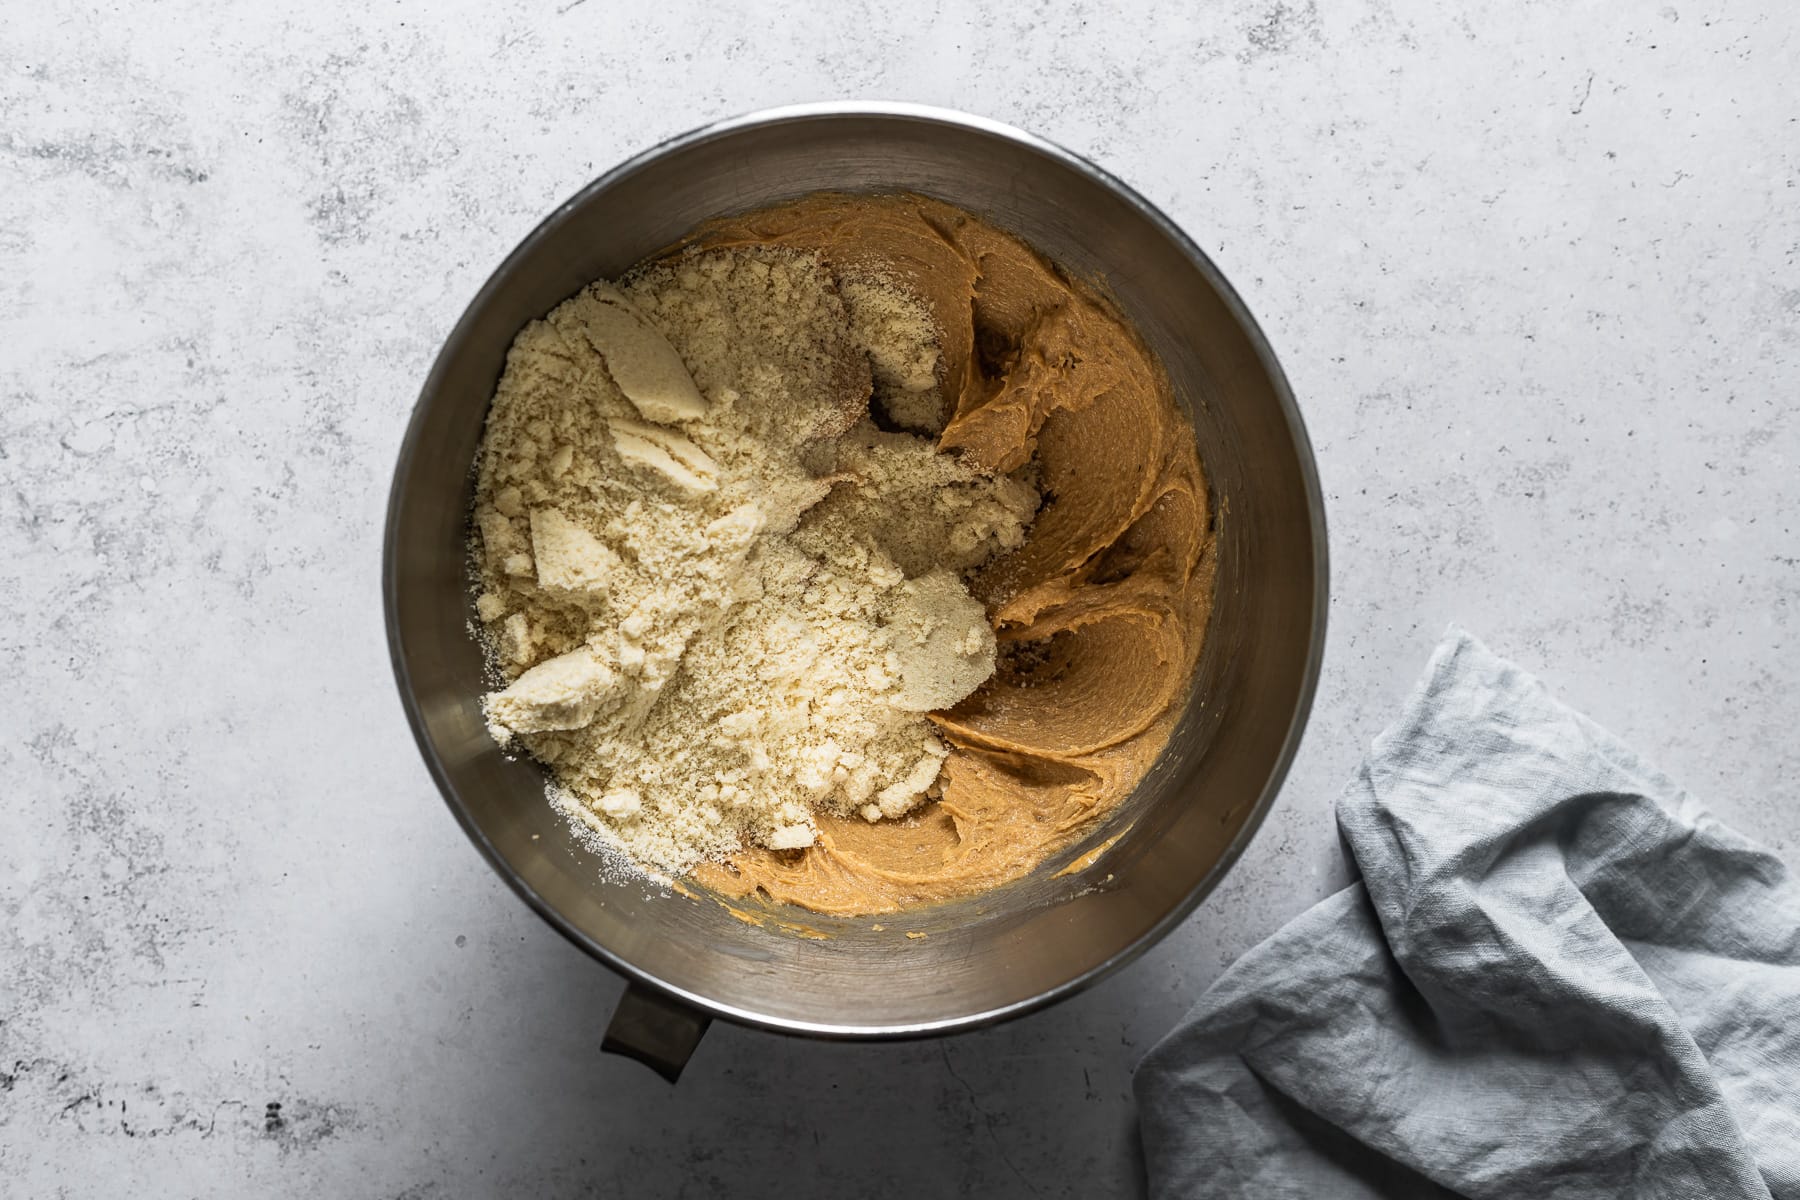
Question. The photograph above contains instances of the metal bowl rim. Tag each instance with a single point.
(922, 114)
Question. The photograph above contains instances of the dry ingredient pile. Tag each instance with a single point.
(724, 598)
(850, 555)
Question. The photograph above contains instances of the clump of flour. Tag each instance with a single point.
(722, 598)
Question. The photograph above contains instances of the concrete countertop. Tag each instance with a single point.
(1534, 272)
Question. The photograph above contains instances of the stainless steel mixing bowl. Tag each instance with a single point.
(982, 959)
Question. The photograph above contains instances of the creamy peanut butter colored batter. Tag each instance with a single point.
(1100, 614)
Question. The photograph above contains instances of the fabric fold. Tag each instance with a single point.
(1557, 977)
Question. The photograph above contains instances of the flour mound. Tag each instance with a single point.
(722, 598)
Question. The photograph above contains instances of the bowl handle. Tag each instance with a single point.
(655, 1029)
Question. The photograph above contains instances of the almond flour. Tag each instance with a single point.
(723, 599)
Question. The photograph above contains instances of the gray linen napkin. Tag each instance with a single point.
(1558, 978)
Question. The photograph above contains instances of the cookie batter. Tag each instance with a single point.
(1099, 615)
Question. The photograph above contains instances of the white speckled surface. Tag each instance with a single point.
(1535, 275)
